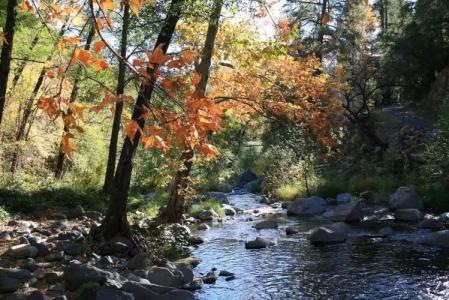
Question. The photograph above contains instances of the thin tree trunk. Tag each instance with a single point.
(18, 72)
(176, 205)
(5, 58)
(324, 8)
(59, 172)
(116, 221)
(112, 156)
(28, 107)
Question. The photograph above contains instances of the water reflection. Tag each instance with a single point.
(294, 269)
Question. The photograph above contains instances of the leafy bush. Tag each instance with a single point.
(195, 209)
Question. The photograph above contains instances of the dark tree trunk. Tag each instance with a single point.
(112, 156)
(176, 205)
(28, 107)
(59, 172)
(324, 9)
(116, 221)
(18, 72)
(5, 58)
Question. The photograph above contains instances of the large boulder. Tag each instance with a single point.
(436, 239)
(431, 222)
(12, 279)
(258, 243)
(207, 215)
(405, 198)
(350, 212)
(22, 251)
(106, 293)
(245, 178)
(164, 276)
(408, 215)
(343, 198)
(307, 206)
(75, 275)
(139, 261)
(267, 224)
(142, 291)
(324, 235)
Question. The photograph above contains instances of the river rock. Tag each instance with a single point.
(229, 210)
(196, 240)
(408, 215)
(245, 178)
(291, 230)
(139, 261)
(76, 275)
(22, 251)
(437, 239)
(258, 243)
(72, 248)
(218, 196)
(350, 212)
(405, 198)
(203, 226)
(385, 232)
(431, 222)
(323, 235)
(164, 276)
(12, 279)
(207, 215)
(343, 198)
(142, 291)
(106, 293)
(37, 295)
(267, 224)
(210, 278)
(307, 206)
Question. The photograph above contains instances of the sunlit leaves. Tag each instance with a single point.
(25, 5)
(99, 46)
(3, 37)
(209, 151)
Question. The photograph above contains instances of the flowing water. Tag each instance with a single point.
(294, 269)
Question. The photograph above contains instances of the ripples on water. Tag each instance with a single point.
(294, 269)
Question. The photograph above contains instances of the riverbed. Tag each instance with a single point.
(368, 268)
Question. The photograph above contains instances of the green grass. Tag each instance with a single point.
(195, 209)
(288, 192)
(148, 207)
(331, 187)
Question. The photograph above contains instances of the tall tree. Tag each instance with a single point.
(175, 208)
(112, 156)
(59, 171)
(116, 221)
(5, 58)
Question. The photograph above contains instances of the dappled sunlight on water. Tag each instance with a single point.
(294, 269)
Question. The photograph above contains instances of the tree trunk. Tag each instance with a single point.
(5, 58)
(324, 8)
(18, 72)
(59, 172)
(175, 208)
(28, 108)
(112, 156)
(116, 221)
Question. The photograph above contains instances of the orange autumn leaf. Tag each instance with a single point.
(196, 79)
(68, 145)
(153, 141)
(131, 130)
(84, 57)
(62, 44)
(209, 151)
(50, 74)
(99, 46)
(135, 5)
(188, 57)
(326, 19)
(107, 4)
(157, 56)
(25, 5)
(138, 63)
(102, 65)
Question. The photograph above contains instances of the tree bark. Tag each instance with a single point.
(176, 205)
(18, 72)
(116, 221)
(59, 172)
(5, 58)
(112, 156)
(28, 108)
(324, 8)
